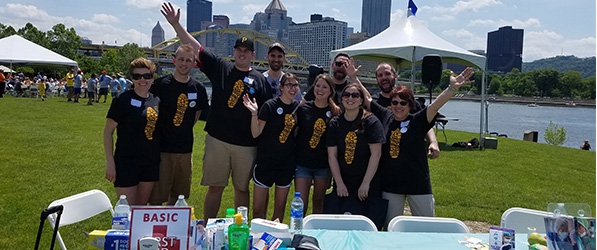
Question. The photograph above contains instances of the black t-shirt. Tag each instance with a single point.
(353, 150)
(386, 102)
(310, 96)
(403, 165)
(277, 141)
(229, 120)
(312, 124)
(136, 140)
(179, 103)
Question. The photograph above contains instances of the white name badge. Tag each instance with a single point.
(248, 80)
(192, 96)
(135, 103)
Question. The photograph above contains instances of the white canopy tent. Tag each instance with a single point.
(18, 50)
(406, 42)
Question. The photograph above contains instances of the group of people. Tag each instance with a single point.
(257, 128)
(94, 88)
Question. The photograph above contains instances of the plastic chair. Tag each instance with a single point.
(338, 222)
(426, 224)
(79, 207)
(520, 219)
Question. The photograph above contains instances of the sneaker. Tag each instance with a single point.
(89, 103)
(104, 101)
(43, 100)
(76, 101)
(69, 100)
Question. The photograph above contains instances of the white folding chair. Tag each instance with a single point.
(520, 219)
(426, 224)
(80, 207)
(338, 222)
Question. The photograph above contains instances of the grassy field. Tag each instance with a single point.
(54, 149)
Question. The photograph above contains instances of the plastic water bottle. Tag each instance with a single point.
(181, 202)
(122, 213)
(296, 214)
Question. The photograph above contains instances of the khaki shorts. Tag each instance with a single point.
(176, 171)
(220, 159)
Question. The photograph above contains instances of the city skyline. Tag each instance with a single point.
(547, 33)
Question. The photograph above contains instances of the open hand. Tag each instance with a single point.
(169, 14)
(462, 79)
(250, 104)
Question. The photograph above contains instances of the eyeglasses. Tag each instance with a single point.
(395, 103)
(353, 94)
(290, 85)
(145, 76)
(338, 63)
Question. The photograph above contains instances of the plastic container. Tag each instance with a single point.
(122, 214)
(296, 214)
(262, 225)
(181, 202)
(244, 211)
(238, 234)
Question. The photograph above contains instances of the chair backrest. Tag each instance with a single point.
(426, 224)
(338, 222)
(520, 219)
(80, 207)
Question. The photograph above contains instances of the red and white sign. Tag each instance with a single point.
(170, 225)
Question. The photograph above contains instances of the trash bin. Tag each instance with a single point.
(530, 136)
(490, 142)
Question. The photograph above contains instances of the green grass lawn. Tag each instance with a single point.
(54, 149)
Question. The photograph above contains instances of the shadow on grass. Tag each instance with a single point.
(449, 147)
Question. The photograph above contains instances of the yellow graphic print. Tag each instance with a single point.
(351, 144)
(152, 118)
(239, 87)
(181, 107)
(288, 125)
(318, 129)
(395, 143)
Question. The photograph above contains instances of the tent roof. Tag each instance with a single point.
(18, 50)
(405, 38)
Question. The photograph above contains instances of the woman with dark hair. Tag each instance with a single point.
(133, 166)
(274, 125)
(312, 166)
(403, 167)
(354, 148)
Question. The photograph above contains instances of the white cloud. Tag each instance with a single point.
(104, 18)
(517, 24)
(397, 14)
(466, 39)
(462, 6)
(253, 8)
(544, 44)
(145, 4)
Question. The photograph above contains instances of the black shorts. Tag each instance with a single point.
(91, 95)
(103, 91)
(129, 174)
(266, 176)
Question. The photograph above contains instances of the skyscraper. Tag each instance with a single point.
(157, 34)
(198, 11)
(376, 16)
(504, 49)
(314, 40)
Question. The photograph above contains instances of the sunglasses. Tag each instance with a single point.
(145, 76)
(403, 103)
(339, 63)
(353, 94)
(290, 85)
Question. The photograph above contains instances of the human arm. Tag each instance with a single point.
(197, 115)
(341, 189)
(109, 149)
(173, 18)
(256, 124)
(433, 149)
(372, 165)
(455, 83)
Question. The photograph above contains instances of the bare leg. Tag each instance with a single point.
(318, 194)
(130, 192)
(280, 199)
(303, 185)
(213, 198)
(241, 198)
(143, 192)
(260, 198)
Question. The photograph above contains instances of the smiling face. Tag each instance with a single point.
(322, 89)
(184, 62)
(275, 59)
(141, 85)
(351, 98)
(385, 78)
(338, 67)
(243, 57)
(289, 88)
(400, 108)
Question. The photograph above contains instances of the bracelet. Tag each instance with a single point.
(451, 88)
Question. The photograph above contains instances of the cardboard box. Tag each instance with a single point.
(117, 240)
(97, 239)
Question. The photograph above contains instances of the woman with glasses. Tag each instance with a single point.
(133, 166)
(312, 166)
(354, 142)
(274, 124)
(403, 167)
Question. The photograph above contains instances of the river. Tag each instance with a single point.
(514, 119)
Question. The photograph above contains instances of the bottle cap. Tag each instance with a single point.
(230, 212)
(122, 196)
(238, 219)
(180, 196)
(297, 194)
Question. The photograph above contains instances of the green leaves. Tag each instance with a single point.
(554, 134)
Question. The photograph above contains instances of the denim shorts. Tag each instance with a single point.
(312, 173)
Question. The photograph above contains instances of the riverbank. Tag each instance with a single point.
(525, 100)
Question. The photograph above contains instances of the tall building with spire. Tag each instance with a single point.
(375, 16)
(198, 11)
(157, 34)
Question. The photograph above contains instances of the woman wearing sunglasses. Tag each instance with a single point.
(403, 166)
(354, 142)
(133, 166)
(274, 124)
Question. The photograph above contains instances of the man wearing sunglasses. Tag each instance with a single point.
(229, 144)
(339, 65)
(181, 100)
(386, 76)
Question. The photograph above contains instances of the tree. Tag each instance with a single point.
(64, 41)
(109, 61)
(588, 88)
(546, 80)
(6, 31)
(88, 65)
(495, 86)
(34, 35)
(555, 135)
(127, 54)
(570, 83)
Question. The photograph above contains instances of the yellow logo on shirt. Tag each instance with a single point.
(237, 91)
(288, 125)
(152, 118)
(318, 129)
(181, 107)
(351, 143)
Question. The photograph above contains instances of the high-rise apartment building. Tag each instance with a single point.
(504, 49)
(315, 39)
(375, 16)
(157, 34)
(198, 11)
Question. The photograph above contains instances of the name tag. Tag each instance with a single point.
(192, 96)
(135, 103)
(248, 80)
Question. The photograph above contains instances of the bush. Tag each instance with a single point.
(554, 134)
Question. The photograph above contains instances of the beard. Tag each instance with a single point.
(275, 66)
(338, 75)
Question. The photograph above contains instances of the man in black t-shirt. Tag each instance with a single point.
(339, 65)
(182, 99)
(229, 144)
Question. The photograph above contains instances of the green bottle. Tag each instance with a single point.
(238, 234)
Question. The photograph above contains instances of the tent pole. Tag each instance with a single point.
(412, 71)
(483, 122)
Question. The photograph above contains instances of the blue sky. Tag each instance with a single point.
(562, 27)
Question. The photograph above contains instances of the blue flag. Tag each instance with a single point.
(413, 8)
